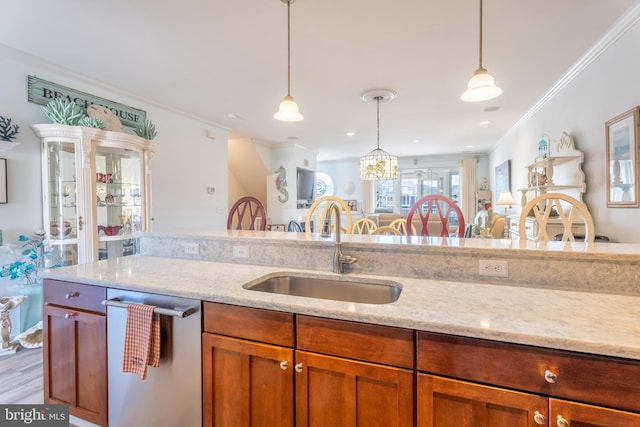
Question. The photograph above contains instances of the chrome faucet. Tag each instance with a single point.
(339, 259)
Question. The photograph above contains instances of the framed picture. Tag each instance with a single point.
(622, 159)
(3, 181)
(503, 177)
(353, 204)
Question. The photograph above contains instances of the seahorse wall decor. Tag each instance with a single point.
(281, 184)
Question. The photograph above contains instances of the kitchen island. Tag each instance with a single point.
(589, 321)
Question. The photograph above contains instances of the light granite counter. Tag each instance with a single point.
(590, 322)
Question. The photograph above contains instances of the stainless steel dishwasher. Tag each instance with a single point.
(171, 395)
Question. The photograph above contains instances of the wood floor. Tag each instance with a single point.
(21, 377)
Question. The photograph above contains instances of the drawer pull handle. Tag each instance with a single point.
(72, 295)
(284, 365)
(69, 315)
(298, 367)
(550, 377)
(562, 422)
(539, 418)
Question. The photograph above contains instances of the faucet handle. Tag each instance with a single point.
(348, 259)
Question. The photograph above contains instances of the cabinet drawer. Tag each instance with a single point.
(606, 381)
(372, 343)
(74, 295)
(254, 324)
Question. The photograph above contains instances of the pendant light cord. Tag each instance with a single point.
(480, 38)
(378, 117)
(289, 47)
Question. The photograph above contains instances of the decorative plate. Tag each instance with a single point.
(110, 120)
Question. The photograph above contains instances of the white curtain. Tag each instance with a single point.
(368, 197)
(468, 188)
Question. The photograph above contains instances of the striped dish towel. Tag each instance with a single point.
(141, 339)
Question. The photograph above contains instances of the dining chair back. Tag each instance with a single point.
(400, 224)
(364, 226)
(318, 211)
(447, 214)
(247, 213)
(386, 230)
(548, 206)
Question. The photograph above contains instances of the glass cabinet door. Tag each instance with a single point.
(61, 201)
(119, 209)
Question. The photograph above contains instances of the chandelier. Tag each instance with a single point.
(378, 165)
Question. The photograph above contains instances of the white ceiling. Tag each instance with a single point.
(217, 59)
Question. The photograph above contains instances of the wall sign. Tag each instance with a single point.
(42, 92)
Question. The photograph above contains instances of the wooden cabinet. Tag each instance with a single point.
(333, 391)
(75, 349)
(572, 414)
(96, 191)
(347, 371)
(494, 379)
(246, 383)
(444, 402)
(253, 357)
(247, 367)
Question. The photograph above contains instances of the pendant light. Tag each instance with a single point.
(288, 110)
(378, 165)
(481, 86)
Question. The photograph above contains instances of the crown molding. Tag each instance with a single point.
(619, 29)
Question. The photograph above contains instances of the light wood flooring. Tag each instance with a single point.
(21, 377)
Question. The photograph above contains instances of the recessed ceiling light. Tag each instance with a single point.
(492, 108)
(415, 141)
(469, 146)
(232, 116)
(351, 133)
(485, 122)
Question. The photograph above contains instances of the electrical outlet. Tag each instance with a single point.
(191, 248)
(241, 251)
(496, 268)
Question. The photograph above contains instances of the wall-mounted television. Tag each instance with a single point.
(305, 185)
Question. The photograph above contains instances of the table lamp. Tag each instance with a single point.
(505, 199)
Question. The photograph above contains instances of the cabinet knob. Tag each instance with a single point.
(284, 365)
(550, 377)
(539, 418)
(80, 223)
(72, 295)
(298, 367)
(69, 315)
(562, 422)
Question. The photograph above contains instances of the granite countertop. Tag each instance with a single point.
(579, 321)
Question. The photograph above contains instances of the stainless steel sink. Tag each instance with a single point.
(329, 288)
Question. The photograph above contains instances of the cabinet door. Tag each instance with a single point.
(336, 392)
(565, 414)
(444, 402)
(63, 201)
(246, 384)
(75, 362)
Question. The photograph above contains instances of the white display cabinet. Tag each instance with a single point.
(96, 191)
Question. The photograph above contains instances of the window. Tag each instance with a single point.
(324, 185)
(385, 195)
(415, 184)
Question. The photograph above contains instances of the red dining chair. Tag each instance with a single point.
(440, 205)
(253, 209)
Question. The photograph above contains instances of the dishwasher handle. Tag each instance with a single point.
(116, 302)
